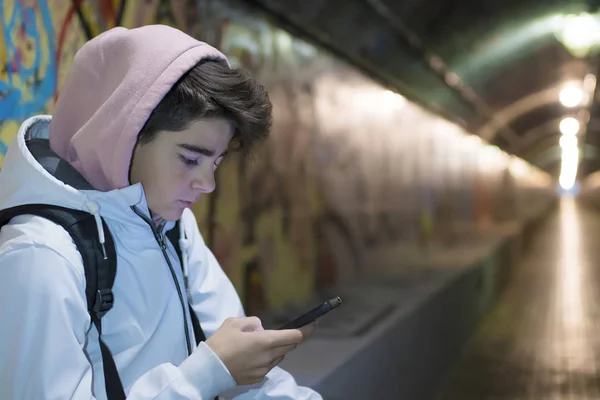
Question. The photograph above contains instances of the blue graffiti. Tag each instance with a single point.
(14, 104)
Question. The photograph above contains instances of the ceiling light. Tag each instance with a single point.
(571, 95)
(569, 126)
(566, 142)
(580, 33)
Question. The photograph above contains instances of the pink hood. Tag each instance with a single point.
(115, 82)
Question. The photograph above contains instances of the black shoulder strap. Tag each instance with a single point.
(99, 272)
(173, 235)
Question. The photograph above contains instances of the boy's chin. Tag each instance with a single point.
(170, 215)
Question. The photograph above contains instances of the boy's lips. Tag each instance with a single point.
(186, 203)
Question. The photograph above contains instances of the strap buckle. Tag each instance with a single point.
(104, 302)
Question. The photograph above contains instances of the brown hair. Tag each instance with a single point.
(211, 90)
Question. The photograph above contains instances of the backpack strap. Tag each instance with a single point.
(174, 235)
(99, 272)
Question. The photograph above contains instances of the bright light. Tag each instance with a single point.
(571, 95)
(393, 99)
(568, 142)
(518, 167)
(568, 168)
(566, 182)
(569, 126)
(473, 142)
(493, 156)
(580, 33)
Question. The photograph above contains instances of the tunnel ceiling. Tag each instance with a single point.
(495, 67)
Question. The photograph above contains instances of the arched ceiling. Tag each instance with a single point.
(495, 67)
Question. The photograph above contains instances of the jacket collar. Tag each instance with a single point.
(32, 173)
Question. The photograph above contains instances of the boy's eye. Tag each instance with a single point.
(188, 161)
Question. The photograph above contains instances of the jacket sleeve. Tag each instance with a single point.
(43, 327)
(214, 299)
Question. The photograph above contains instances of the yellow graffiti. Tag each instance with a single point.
(7, 10)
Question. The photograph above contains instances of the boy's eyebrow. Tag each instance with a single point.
(200, 150)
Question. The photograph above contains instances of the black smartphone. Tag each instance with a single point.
(313, 314)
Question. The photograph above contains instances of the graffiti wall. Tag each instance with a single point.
(38, 39)
(351, 171)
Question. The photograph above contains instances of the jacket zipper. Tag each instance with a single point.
(163, 246)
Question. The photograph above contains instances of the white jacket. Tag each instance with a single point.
(49, 348)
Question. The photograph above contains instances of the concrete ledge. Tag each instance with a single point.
(407, 353)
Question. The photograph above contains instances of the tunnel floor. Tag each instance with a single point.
(542, 339)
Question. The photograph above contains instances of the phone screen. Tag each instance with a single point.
(313, 314)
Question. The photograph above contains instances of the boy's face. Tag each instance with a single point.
(177, 167)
